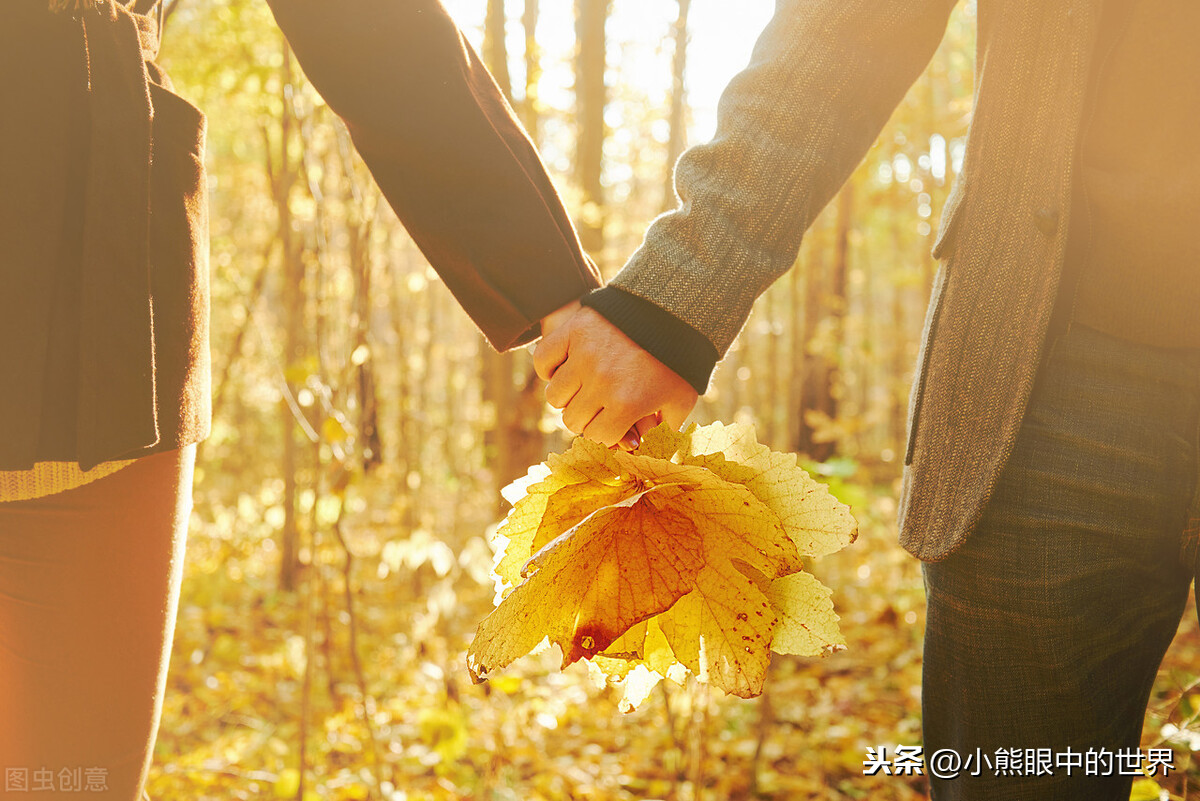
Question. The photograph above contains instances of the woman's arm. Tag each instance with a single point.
(448, 154)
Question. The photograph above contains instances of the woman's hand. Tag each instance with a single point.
(609, 389)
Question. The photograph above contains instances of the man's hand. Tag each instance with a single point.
(609, 389)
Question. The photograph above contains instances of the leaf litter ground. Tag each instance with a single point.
(230, 722)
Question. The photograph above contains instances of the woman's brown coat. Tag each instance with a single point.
(103, 213)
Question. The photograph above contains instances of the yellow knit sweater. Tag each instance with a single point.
(48, 478)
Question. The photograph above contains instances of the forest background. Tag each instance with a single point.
(339, 562)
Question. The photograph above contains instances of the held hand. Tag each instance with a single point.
(559, 316)
(609, 389)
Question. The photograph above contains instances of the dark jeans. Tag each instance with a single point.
(1046, 629)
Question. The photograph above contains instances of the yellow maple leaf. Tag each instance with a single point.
(581, 592)
(808, 626)
(682, 555)
(816, 521)
(579, 482)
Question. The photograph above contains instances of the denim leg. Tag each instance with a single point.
(1046, 629)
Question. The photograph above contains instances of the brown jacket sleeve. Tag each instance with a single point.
(448, 154)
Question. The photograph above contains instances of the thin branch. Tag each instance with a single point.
(360, 675)
(168, 10)
(235, 348)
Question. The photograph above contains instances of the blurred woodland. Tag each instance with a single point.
(339, 562)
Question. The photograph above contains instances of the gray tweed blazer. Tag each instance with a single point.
(824, 78)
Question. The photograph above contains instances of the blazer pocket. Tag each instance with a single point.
(917, 396)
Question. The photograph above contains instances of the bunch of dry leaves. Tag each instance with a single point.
(684, 555)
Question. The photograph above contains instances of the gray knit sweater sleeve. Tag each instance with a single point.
(824, 77)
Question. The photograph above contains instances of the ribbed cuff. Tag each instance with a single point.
(665, 337)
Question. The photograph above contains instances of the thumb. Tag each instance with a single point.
(675, 412)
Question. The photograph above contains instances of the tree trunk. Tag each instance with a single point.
(591, 95)
(510, 390)
(899, 361)
(370, 448)
(814, 372)
(403, 312)
(530, 115)
(825, 304)
(801, 274)
(495, 49)
(293, 309)
(677, 136)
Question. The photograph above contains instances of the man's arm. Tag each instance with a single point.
(447, 153)
(823, 80)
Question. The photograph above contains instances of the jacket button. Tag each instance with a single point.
(1046, 220)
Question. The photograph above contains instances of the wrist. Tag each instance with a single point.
(687, 352)
(559, 316)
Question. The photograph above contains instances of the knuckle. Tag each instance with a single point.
(599, 435)
(542, 365)
(627, 398)
(555, 396)
(571, 420)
